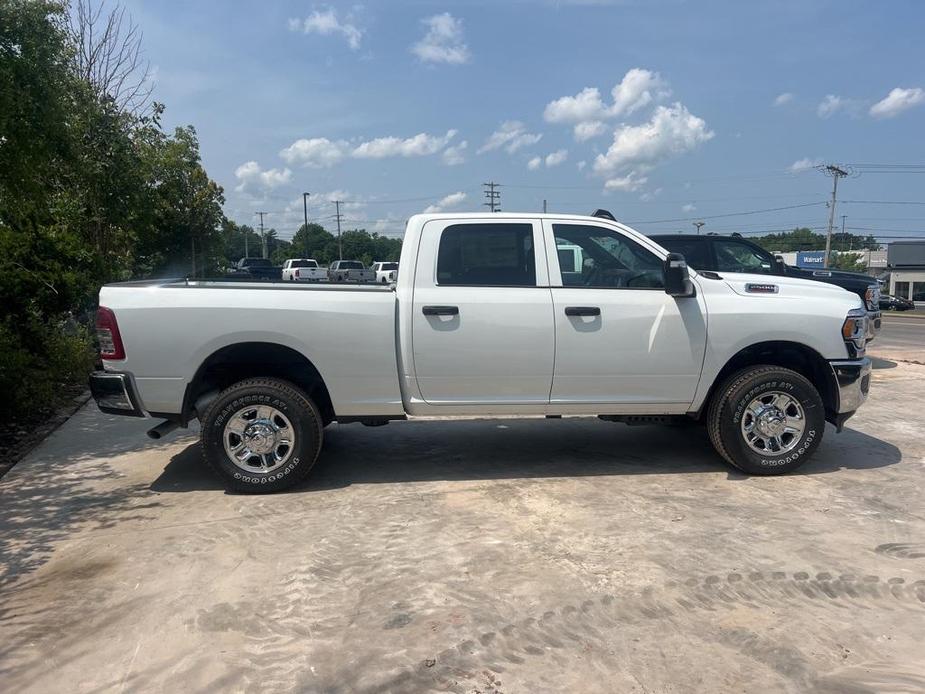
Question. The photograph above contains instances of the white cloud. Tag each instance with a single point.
(638, 88)
(804, 164)
(831, 105)
(251, 177)
(581, 165)
(584, 106)
(649, 196)
(512, 135)
(443, 42)
(897, 101)
(671, 131)
(550, 160)
(784, 98)
(325, 23)
(420, 145)
(689, 207)
(556, 158)
(451, 200)
(316, 153)
(456, 154)
(629, 183)
(589, 129)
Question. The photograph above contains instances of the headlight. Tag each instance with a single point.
(854, 332)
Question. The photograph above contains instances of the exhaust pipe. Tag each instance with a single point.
(162, 429)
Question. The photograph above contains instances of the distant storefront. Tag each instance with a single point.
(906, 260)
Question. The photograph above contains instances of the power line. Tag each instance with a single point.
(493, 196)
(835, 172)
(340, 247)
(729, 214)
(262, 234)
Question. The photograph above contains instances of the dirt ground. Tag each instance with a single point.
(480, 556)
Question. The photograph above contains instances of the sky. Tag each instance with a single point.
(663, 112)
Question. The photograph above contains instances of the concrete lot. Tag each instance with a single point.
(489, 556)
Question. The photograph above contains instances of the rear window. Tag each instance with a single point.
(350, 265)
(303, 263)
(257, 262)
(389, 266)
(493, 255)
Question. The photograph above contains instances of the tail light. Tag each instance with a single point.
(108, 336)
(297, 274)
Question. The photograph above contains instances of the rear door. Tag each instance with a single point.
(482, 324)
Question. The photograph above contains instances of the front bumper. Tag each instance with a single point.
(852, 384)
(115, 393)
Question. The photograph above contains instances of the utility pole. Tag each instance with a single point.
(192, 243)
(305, 210)
(835, 172)
(493, 196)
(844, 239)
(340, 248)
(262, 234)
(698, 225)
(544, 205)
(246, 252)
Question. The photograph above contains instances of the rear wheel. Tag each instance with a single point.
(261, 435)
(766, 420)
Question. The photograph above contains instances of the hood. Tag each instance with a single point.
(785, 286)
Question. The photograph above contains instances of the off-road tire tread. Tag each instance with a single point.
(722, 395)
(283, 388)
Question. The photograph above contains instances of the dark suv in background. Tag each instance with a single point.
(735, 254)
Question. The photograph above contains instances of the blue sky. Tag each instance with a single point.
(700, 109)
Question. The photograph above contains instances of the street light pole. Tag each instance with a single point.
(305, 211)
(698, 225)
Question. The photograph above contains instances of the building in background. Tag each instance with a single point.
(906, 262)
(875, 261)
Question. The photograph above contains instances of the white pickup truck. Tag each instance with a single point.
(483, 321)
(303, 270)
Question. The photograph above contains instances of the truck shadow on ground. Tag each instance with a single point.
(420, 451)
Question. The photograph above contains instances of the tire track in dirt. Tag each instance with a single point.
(514, 644)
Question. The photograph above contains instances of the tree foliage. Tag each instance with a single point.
(91, 190)
(314, 241)
(804, 239)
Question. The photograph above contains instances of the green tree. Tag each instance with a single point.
(804, 239)
(851, 262)
(311, 241)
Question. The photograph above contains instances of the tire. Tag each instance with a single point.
(731, 424)
(297, 420)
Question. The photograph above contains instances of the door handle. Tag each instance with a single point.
(440, 310)
(582, 311)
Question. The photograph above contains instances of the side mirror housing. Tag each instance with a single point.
(677, 280)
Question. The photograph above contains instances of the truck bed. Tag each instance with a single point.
(171, 327)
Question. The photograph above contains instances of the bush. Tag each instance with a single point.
(41, 364)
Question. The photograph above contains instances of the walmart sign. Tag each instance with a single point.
(811, 259)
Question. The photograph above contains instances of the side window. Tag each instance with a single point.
(591, 256)
(734, 256)
(695, 252)
(491, 255)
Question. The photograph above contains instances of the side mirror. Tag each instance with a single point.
(677, 280)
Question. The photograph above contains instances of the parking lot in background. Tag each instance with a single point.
(492, 555)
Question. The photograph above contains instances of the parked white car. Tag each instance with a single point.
(483, 321)
(385, 272)
(303, 270)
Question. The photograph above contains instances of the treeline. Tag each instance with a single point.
(92, 190)
(312, 241)
(804, 239)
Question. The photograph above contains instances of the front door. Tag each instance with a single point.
(620, 339)
(482, 323)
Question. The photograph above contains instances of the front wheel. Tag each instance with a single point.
(261, 435)
(766, 420)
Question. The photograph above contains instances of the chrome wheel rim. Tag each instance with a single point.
(773, 423)
(258, 438)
